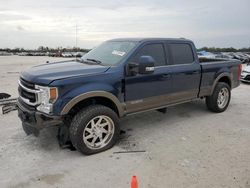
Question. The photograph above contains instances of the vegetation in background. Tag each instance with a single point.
(44, 49)
(62, 49)
(231, 49)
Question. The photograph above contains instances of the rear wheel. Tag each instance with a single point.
(219, 100)
(94, 129)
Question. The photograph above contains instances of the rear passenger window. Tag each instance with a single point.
(181, 53)
(154, 50)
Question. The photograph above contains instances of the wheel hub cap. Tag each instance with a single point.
(98, 132)
(223, 98)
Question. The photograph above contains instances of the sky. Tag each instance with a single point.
(31, 23)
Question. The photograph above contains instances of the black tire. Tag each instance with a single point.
(81, 121)
(211, 101)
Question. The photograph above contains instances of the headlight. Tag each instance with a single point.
(46, 97)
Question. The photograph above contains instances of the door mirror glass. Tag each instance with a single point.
(146, 65)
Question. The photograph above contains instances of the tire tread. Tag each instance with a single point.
(211, 101)
(82, 117)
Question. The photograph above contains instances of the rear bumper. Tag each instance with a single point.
(34, 121)
(245, 77)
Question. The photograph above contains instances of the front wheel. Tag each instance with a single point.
(219, 100)
(94, 129)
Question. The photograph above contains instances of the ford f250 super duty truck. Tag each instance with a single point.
(87, 97)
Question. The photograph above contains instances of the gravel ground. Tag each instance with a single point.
(186, 147)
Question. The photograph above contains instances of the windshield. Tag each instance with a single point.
(110, 52)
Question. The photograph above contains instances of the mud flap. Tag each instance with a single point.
(30, 130)
(63, 137)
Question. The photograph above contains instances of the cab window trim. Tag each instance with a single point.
(171, 55)
(166, 59)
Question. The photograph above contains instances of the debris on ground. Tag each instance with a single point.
(7, 105)
(4, 96)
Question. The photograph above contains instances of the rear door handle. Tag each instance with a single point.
(196, 72)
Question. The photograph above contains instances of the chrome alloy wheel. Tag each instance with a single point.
(223, 98)
(98, 132)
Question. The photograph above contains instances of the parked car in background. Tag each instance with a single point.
(245, 74)
(245, 57)
(205, 54)
(239, 57)
(67, 54)
(22, 54)
(224, 56)
(248, 56)
(78, 54)
(3, 53)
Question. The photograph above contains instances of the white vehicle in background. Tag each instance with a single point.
(245, 74)
(67, 54)
(205, 54)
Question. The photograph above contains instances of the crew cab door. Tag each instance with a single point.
(146, 91)
(186, 71)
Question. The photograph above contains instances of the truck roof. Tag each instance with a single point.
(151, 39)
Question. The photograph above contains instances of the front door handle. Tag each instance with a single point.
(193, 72)
(165, 76)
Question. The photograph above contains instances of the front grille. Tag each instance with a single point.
(29, 107)
(27, 92)
(27, 84)
(27, 95)
(247, 77)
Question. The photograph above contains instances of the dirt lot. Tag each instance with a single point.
(186, 147)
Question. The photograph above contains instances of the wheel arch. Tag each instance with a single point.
(224, 77)
(94, 97)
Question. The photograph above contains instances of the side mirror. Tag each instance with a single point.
(146, 65)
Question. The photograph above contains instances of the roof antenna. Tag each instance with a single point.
(76, 41)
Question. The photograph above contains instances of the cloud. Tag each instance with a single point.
(53, 22)
(7, 16)
(20, 28)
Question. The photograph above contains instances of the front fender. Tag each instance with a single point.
(71, 98)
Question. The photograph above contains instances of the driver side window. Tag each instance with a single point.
(154, 50)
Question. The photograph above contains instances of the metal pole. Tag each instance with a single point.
(76, 40)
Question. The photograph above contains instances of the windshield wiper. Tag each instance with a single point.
(94, 60)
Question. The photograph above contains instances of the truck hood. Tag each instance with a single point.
(46, 73)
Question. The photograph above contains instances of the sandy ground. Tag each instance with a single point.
(186, 147)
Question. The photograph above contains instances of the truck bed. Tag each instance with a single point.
(207, 60)
(211, 68)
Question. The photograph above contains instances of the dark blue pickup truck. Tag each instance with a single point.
(86, 97)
